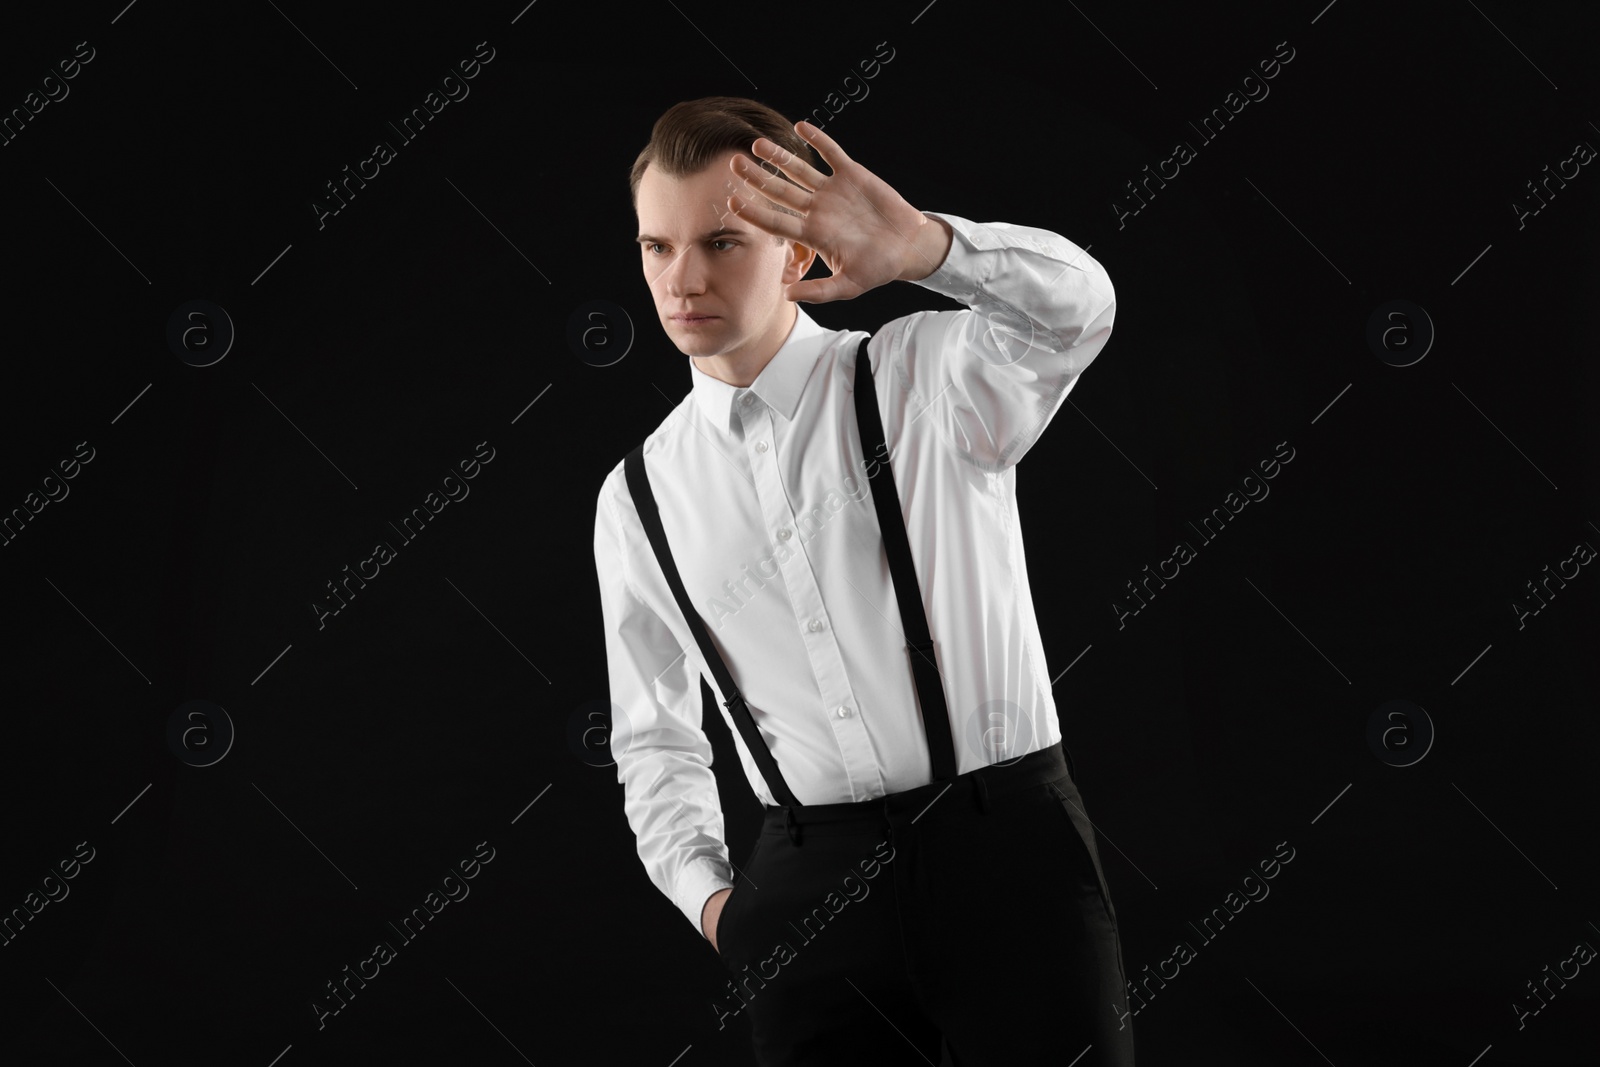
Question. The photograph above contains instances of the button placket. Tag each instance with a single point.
(777, 503)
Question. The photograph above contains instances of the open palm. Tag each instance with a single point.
(865, 232)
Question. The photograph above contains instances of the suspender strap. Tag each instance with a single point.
(913, 619)
(644, 500)
(897, 548)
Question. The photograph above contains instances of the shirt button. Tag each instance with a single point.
(816, 624)
(745, 399)
(783, 534)
(761, 446)
(844, 713)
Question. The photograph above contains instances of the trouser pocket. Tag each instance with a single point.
(1082, 838)
(738, 901)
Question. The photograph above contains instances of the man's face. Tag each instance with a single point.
(701, 259)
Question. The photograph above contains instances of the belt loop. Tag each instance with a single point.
(981, 787)
(789, 825)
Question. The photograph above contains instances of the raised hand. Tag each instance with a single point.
(865, 232)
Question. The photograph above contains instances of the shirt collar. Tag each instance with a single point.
(780, 382)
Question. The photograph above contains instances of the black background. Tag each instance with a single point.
(373, 753)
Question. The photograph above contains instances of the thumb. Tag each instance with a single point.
(822, 290)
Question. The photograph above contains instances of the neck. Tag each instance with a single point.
(739, 369)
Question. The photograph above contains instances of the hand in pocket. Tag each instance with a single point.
(711, 913)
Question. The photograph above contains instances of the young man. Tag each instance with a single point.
(926, 874)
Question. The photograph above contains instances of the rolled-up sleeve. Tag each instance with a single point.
(992, 377)
(662, 755)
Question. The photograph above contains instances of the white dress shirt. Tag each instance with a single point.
(766, 510)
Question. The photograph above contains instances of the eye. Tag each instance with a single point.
(653, 245)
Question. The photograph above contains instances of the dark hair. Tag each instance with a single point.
(691, 134)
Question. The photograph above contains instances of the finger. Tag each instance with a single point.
(761, 183)
(822, 290)
(826, 146)
(804, 174)
(767, 219)
(721, 206)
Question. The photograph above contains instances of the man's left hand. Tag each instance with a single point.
(865, 232)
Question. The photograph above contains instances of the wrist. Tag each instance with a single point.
(930, 246)
(711, 909)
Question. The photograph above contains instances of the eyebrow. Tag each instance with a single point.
(649, 238)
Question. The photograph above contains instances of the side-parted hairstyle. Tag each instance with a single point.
(691, 134)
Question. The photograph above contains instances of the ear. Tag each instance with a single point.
(798, 263)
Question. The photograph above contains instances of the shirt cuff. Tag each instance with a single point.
(699, 880)
(956, 276)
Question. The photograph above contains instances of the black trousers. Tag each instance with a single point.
(972, 913)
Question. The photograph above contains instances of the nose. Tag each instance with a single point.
(686, 276)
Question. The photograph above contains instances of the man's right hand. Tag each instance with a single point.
(711, 913)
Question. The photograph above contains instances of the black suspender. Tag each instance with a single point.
(897, 547)
(645, 501)
(913, 620)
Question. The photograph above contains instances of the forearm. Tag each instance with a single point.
(1030, 282)
(1041, 310)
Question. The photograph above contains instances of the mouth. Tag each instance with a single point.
(691, 320)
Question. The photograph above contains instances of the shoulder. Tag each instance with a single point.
(895, 341)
